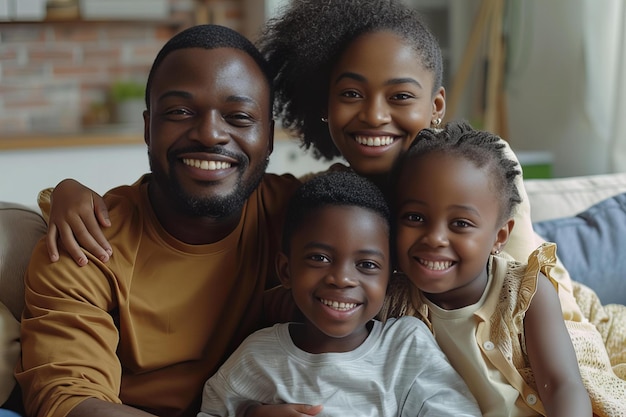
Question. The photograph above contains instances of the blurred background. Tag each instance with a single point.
(545, 75)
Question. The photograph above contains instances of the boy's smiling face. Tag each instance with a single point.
(338, 269)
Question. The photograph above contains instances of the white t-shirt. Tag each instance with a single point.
(399, 370)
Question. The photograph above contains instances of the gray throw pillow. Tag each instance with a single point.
(592, 246)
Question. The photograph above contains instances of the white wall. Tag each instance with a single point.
(23, 173)
(546, 89)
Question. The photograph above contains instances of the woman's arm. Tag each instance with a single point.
(552, 356)
(77, 214)
(523, 241)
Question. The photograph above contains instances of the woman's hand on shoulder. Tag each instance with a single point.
(282, 410)
(77, 214)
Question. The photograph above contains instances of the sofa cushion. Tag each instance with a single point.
(592, 246)
(21, 228)
(563, 197)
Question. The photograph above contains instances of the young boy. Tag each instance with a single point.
(336, 261)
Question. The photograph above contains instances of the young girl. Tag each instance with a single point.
(336, 261)
(496, 319)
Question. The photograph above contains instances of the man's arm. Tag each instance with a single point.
(69, 339)
(93, 407)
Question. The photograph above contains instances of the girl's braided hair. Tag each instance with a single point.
(482, 148)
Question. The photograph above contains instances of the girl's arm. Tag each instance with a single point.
(552, 356)
(76, 215)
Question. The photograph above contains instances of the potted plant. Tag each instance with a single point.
(128, 100)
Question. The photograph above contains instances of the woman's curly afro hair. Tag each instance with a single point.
(303, 42)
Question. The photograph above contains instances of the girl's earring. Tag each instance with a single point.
(496, 251)
(436, 123)
(325, 119)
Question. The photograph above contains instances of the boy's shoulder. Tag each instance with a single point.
(400, 330)
(265, 338)
(404, 323)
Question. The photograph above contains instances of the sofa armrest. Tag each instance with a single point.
(21, 227)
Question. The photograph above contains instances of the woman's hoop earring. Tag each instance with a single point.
(325, 119)
(436, 123)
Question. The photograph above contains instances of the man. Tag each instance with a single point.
(194, 244)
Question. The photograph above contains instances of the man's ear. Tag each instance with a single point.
(282, 268)
(146, 127)
(502, 236)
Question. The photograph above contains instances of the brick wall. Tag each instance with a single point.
(57, 76)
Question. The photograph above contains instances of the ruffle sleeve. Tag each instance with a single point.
(541, 260)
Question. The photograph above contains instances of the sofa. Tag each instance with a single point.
(585, 216)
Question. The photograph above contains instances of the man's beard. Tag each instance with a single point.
(222, 206)
(214, 207)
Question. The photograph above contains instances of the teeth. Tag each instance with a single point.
(374, 140)
(436, 265)
(336, 305)
(206, 165)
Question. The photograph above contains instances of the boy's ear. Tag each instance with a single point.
(502, 236)
(282, 268)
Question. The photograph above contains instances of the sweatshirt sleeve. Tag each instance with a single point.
(69, 338)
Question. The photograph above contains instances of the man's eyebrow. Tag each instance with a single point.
(240, 99)
(358, 77)
(175, 93)
(187, 95)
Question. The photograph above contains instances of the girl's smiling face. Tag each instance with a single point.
(448, 222)
(380, 97)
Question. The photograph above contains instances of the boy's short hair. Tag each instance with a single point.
(333, 188)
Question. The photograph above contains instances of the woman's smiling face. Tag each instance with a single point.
(380, 97)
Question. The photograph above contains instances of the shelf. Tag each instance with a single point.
(66, 140)
(113, 135)
(80, 21)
